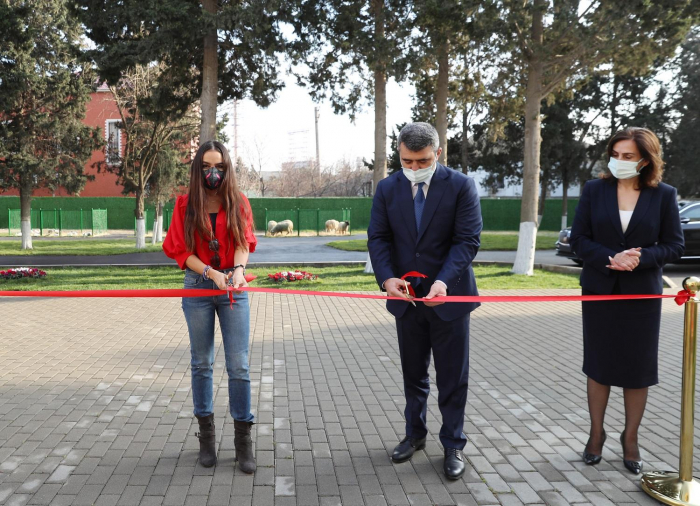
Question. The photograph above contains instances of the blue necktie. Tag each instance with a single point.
(418, 204)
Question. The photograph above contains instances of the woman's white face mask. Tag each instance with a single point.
(623, 169)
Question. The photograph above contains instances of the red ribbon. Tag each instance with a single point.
(681, 298)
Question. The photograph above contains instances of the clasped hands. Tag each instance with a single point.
(625, 260)
(395, 288)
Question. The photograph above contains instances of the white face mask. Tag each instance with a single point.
(420, 175)
(622, 169)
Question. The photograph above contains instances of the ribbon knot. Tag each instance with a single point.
(682, 297)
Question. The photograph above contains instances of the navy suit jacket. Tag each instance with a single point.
(443, 248)
(655, 226)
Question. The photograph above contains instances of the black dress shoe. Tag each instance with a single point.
(406, 448)
(634, 466)
(590, 458)
(454, 463)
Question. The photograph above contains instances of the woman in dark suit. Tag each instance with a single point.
(626, 228)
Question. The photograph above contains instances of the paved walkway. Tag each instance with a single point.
(95, 408)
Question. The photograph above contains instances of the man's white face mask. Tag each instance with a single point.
(420, 175)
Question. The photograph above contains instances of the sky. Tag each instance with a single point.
(272, 129)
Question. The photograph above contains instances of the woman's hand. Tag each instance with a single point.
(626, 260)
(238, 280)
(219, 278)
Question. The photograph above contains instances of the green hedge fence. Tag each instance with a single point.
(498, 214)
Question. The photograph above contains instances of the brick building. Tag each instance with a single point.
(101, 112)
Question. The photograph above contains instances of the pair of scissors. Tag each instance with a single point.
(408, 294)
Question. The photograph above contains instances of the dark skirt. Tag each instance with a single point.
(621, 341)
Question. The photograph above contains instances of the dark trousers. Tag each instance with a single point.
(420, 330)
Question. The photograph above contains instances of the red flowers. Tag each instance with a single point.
(281, 277)
(22, 272)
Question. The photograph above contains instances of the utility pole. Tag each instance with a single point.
(318, 157)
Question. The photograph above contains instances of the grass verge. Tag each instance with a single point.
(338, 278)
(490, 241)
(87, 247)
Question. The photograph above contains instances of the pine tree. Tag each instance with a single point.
(43, 94)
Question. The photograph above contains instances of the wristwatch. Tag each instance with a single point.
(241, 266)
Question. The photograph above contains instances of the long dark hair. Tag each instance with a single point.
(196, 217)
(649, 147)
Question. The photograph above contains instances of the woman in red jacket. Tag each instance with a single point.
(210, 237)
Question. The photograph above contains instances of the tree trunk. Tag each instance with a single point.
(441, 97)
(565, 199)
(210, 78)
(465, 141)
(159, 228)
(525, 256)
(544, 182)
(614, 101)
(25, 199)
(379, 171)
(368, 265)
(140, 220)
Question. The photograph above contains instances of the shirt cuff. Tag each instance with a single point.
(440, 281)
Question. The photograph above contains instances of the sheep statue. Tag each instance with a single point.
(270, 225)
(332, 226)
(283, 226)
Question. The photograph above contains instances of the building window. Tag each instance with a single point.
(113, 136)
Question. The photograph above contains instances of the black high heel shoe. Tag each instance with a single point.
(589, 458)
(634, 466)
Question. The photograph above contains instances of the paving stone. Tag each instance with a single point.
(112, 423)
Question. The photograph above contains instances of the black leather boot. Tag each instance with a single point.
(207, 440)
(244, 446)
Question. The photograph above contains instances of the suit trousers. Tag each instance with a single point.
(420, 332)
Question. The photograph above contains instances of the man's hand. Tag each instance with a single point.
(395, 288)
(437, 290)
(626, 260)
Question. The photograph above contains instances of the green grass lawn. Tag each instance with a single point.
(490, 241)
(330, 279)
(81, 246)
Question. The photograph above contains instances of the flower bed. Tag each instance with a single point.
(281, 277)
(22, 272)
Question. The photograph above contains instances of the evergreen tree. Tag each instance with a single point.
(684, 149)
(351, 48)
(561, 40)
(213, 50)
(43, 94)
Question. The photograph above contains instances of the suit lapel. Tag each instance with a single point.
(639, 210)
(612, 207)
(435, 191)
(403, 187)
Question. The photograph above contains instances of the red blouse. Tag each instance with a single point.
(175, 247)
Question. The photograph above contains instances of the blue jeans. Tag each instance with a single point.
(235, 330)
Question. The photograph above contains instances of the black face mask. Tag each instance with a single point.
(212, 178)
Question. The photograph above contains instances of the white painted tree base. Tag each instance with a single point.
(140, 233)
(159, 229)
(525, 256)
(154, 236)
(368, 265)
(564, 222)
(26, 227)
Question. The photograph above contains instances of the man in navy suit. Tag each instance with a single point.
(427, 218)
